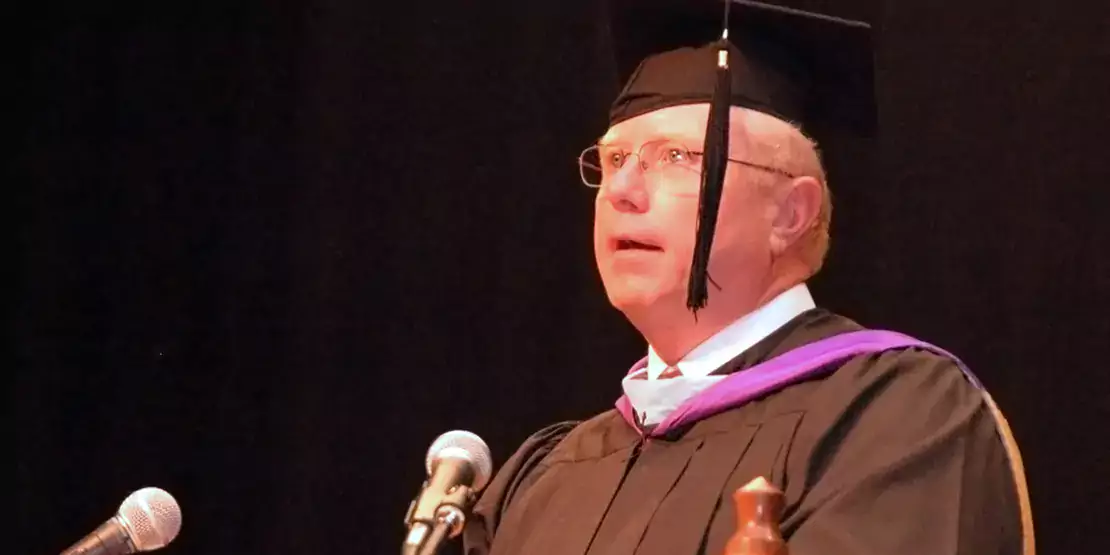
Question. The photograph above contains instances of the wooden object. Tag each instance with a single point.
(759, 507)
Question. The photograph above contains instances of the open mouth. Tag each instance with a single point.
(633, 245)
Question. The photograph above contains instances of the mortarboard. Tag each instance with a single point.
(811, 69)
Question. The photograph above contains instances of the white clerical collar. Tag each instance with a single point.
(738, 336)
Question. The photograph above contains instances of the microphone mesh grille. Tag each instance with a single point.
(152, 516)
(476, 449)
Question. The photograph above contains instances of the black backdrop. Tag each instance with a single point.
(268, 252)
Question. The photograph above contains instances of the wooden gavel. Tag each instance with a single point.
(759, 507)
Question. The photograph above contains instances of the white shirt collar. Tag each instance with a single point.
(738, 336)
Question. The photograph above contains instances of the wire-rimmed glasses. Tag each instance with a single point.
(599, 162)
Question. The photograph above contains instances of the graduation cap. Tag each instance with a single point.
(810, 69)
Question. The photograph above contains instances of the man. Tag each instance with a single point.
(885, 447)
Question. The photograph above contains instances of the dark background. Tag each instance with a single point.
(267, 252)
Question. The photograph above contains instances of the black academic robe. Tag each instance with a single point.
(893, 453)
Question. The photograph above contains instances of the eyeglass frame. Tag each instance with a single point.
(745, 163)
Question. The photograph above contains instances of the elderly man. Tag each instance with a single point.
(880, 444)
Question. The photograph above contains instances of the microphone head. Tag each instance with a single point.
(462, 444)
(152, 518)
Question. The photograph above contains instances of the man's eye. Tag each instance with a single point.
(676, 156)
(615, 159)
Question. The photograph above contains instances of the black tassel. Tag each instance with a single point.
(714, 164)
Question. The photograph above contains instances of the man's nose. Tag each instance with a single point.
(626, 190)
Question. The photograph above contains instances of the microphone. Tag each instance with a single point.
(147, 520)
(459, 465)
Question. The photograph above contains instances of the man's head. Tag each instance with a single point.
(670, 259)
(772, 229)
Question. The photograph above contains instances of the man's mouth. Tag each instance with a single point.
(634, 245)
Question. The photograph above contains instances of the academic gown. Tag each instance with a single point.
(893, 453)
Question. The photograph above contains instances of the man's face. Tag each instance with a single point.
(645, 221)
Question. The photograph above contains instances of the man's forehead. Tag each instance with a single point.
(685, 123)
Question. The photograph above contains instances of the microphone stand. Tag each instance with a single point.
(449, 523)
(427, 535)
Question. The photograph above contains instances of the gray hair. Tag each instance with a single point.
(784, 145)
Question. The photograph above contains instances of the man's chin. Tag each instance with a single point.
(635, 300)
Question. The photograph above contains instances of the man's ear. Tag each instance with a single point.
(798, 204)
